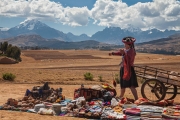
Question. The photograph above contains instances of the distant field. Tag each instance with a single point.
(68, 66)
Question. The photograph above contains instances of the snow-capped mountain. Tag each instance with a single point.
(29, 27)
(4, 29)
(131, 28)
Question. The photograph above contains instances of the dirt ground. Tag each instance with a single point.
(65, 68)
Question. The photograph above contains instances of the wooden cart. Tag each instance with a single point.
(158, 84)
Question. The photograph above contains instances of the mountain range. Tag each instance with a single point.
(111, 35)
(33, 41)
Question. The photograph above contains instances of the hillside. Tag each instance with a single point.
(168, 45)
(29, 41)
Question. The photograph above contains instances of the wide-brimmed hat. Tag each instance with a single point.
(128, 40)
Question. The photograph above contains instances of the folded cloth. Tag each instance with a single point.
(177, 107)
(63, 113)
(170, 117)
(144, 118)
(73, 101)
(115, 115)
(64, 102)
(47, 104)
(95, 108)
(68, 100)
(132, 111)
(145, 114)
(150, 108)
(118, 109)
(155, 119)
(155, 115)
(109, 113)
(128, 117)
(91, 103)
(171, 112)
(124, 106)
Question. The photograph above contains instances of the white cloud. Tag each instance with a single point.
(160, 14)
(44, 9)
(76, 16)
(111, 13)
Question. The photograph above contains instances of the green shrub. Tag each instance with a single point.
(9, 76)
(117, 78)
(88, 76)
(100, 78)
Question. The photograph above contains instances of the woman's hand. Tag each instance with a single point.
(121, 51)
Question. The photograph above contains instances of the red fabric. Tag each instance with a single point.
(117, 53)
(128, 62)
(114, 83)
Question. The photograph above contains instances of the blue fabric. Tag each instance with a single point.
(27, 92)
(40, 91)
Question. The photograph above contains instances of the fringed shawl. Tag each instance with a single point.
(128, 62)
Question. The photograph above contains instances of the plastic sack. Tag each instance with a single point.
(80, 101)
(44, 111)
(114, 102)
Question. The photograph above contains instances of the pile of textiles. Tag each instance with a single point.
(115, 113)
(150, 111)
(38, 95)
(172, 112)
(106, 107)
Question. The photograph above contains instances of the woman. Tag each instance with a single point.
(128, 77)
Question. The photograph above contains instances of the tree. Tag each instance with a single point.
(14, 52)
(4, 47)
(1, 48)
(10, 51)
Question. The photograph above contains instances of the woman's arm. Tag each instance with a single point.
(117, 53)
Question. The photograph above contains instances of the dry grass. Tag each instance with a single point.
(65, 68)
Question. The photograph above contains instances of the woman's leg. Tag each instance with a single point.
(122, 92)
(134, 92)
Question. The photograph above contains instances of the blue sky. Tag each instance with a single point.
(90, 16)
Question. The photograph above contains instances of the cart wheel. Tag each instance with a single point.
(153, 90)
(171, 91)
